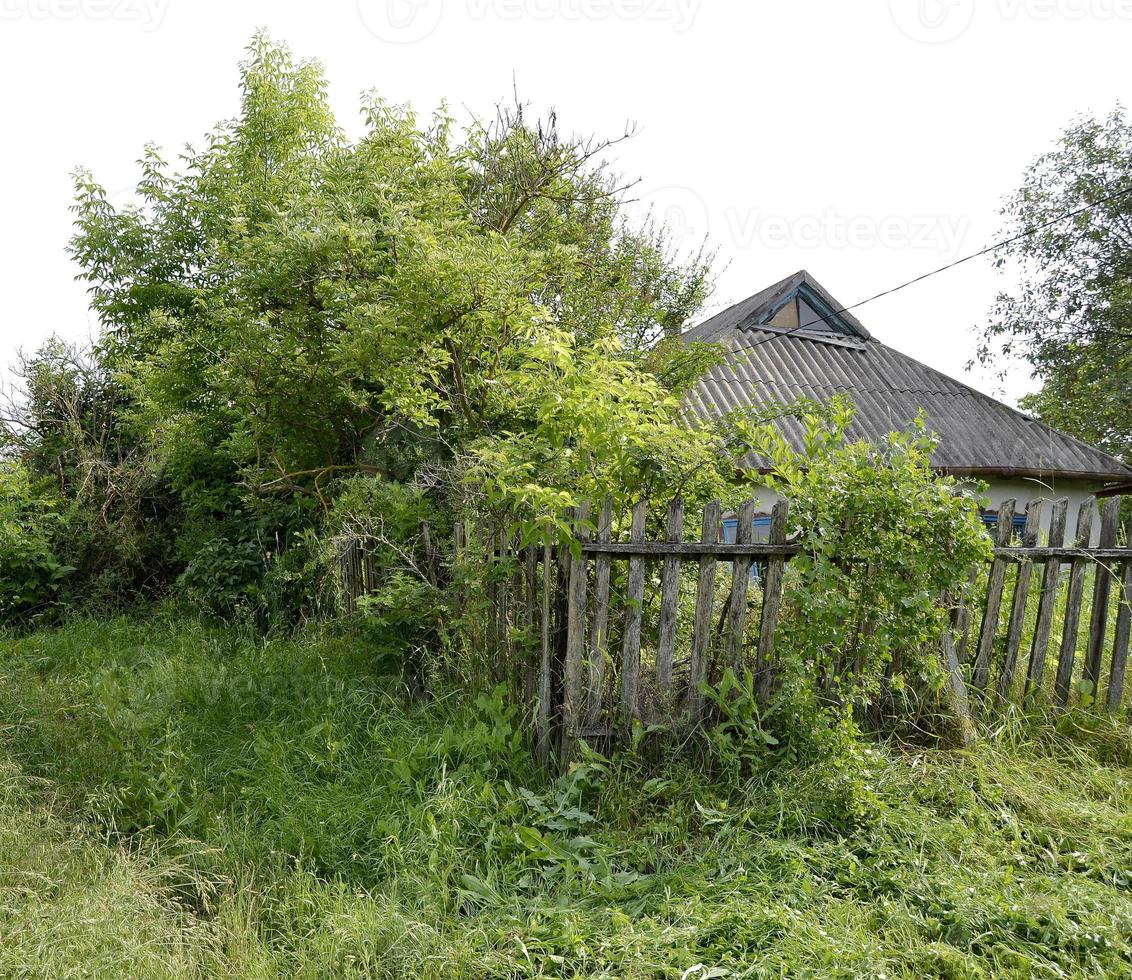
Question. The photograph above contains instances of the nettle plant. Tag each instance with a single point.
(885, 541)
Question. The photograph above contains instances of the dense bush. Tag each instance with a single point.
(31, 573)
(885, 544)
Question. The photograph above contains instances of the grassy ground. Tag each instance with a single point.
(178, 801)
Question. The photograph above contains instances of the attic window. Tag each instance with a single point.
(801, 312)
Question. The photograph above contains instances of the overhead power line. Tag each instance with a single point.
(950, 265)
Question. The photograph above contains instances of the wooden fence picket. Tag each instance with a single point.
(1121, 635)
(576, 634)
(740, 583)
(1051, 574)
(1102, 590)
(1073, 605)
(1018, 603)
(701, 626)
(989, 630)
(634, 600)
(599, 641)
(772, 600)
(669, 594)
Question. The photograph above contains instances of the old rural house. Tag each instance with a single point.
(829, 351)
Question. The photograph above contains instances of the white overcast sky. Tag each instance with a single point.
(867, 141)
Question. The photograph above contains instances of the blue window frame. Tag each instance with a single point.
(760, 525)
(761, 533)
(990, 520)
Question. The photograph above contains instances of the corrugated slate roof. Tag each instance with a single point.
(977, 434)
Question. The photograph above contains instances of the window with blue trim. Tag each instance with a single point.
(760, 535)
(760, 529)
(990, 520)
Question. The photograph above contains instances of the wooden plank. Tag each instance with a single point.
(692, 549)
(740, 582)
(546, 675)
(1102, 590)
(1073, 606)
(530, 622)
(1065, 554)
(502, 606)
(995, 581)
(772, 601)
(634, 599)
(961, 619)
(488, 547)
(1115, 691)
(669, 594)
(599, 637)
(575, 636)
(1018, 603)
(1051, 574)
(701, 626)
(955, 692)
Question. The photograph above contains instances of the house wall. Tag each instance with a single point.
(1022, 490)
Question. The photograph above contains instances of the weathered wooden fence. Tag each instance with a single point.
(1046, 622)
(578, 649)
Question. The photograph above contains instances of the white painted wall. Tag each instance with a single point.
(1022, 490)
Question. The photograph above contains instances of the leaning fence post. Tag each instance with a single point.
(740, 582)
(955, 692)
(669, 595)
(1018, 603)
(991, 611)
(701, 626)
(576, 632)
(772, 600)
(1073, 605)
(1102, 589)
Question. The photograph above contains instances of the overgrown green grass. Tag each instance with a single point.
(178, 800)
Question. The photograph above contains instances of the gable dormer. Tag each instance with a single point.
(805, 307)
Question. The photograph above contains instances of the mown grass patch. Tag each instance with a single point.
(281, 808)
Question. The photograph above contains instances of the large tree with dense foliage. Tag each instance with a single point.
(1071, 316)
(463, 308)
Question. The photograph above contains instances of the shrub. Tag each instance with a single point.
(30, 572)
(884, 542)
(403, 610)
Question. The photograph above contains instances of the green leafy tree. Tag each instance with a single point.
(288, 308)
(1071, 317)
